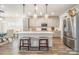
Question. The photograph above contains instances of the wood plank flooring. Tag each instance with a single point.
(58, 49)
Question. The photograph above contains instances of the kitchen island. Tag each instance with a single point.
(35, 35)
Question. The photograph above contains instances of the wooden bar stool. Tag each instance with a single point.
(43, 43)
(24, 43)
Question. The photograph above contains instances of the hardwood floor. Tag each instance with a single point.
(58, 49)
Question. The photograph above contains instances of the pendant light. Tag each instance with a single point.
(35, 15)
(46, 15)
(23, 11)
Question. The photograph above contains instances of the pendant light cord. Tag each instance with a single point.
(23, 9)
(35, 7)
(46, 7)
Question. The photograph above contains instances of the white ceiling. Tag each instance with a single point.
(17, 9)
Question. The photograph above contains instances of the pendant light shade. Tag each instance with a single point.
(23, 11)
(35, 15)
(46, 15)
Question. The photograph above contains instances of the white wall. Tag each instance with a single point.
(1, 26)
(11, 23)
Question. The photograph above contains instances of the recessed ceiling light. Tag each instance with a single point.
(0, 18)
(2, 6)
(41, 13)
(52, 13)
(29, 13)
(35, 15)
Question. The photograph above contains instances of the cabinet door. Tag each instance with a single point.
(25, 24)
(34, 42)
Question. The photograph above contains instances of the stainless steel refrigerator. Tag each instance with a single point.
(71, 32)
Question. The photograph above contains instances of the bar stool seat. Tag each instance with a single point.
(24, 43)
(43, 43)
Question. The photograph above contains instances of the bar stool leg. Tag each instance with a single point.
(20, 48)
(20, 45)
(29, 44)
(47, 45)
(39, 45)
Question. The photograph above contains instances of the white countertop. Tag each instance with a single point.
(35, 32)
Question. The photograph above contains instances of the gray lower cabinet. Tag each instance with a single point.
(34, 42)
